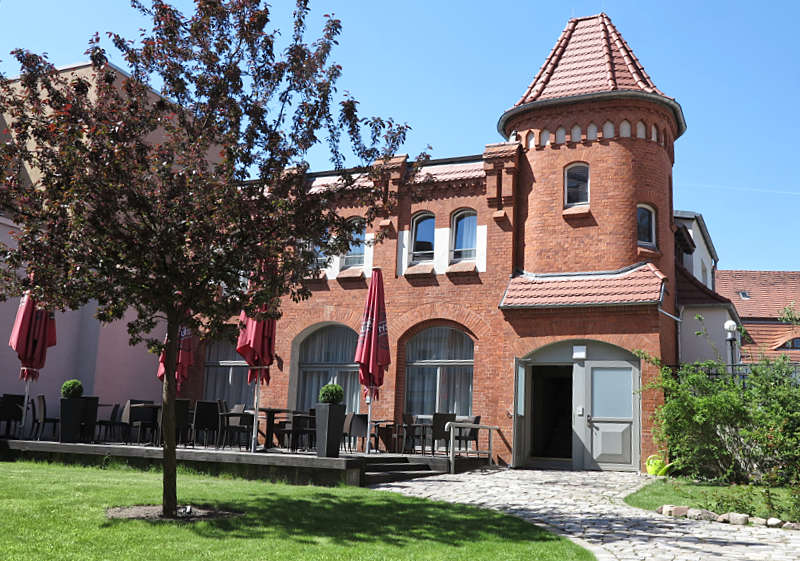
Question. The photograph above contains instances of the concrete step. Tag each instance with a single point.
(374, 478)
(397, 466)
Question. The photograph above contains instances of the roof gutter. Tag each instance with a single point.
(673, 105)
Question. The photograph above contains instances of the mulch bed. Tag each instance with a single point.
(186, 513)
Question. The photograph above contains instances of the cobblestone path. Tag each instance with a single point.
(588, 508)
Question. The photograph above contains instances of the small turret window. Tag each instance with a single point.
(591, 132)
(625, 129)
(641, 130)
(576, 184)
(645, 226)
(575, 134)
(608, 129)
(561, 135)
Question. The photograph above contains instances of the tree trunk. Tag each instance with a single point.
(170, 494)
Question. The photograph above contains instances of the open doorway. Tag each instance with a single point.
(551, 419)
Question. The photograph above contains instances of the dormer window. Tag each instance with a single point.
(355, 255)
(792, 344)
(576, 185)
(645, 226)
(744, 295)
(464, 235)
(422, 240)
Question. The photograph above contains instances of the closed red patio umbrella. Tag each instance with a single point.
(33, 332)
(256, 344)
(185, 358)
(372, 351)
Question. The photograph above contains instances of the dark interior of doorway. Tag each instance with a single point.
(552, 412)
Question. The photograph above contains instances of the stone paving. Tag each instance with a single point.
(587, 507)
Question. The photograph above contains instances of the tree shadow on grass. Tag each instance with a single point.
(352, 519)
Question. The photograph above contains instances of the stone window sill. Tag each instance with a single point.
(648, 252)
(462, 268)
(420, 270)
(577, 211)
(351, 273)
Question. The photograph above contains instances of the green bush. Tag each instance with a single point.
(72, 388)
(720, 426)
(331, 393)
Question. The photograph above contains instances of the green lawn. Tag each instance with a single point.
(50, 511)
(746, 499)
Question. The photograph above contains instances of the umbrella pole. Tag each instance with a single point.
(369, 418)
(255, 417)
(25, 408)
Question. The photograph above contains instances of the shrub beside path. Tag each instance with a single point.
(588, 507)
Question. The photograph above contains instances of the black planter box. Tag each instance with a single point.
(78, 419)
(330, 423)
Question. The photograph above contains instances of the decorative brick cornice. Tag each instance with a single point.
(500, 163)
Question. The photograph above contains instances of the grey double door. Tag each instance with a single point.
(601, 409)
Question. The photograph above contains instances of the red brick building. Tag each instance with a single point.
(519, 280)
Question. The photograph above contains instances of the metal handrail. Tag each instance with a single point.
(452, 425)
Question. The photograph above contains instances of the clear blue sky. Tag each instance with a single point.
(450, 69)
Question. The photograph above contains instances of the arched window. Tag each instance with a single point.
(653, 133)
(463, 235)
(531, 140)
(641, 130)
(575, 134)
(625, 129)
(576, 184)
(326, 357)
(422, 228)
(608, 129)
(792, 344)
(561, 135)
(591, 132)
(645, 225)
(439, 363)
(544, 138)
(355, 255)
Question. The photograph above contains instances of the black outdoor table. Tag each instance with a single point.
(270, 413)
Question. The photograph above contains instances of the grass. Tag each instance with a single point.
(747, 499)
(50, 511)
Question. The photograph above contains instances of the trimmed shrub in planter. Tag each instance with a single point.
(78, 413)
(330, 420)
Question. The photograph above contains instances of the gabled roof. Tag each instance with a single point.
(590, 59)
(766, 292)
(638, 284)
(701, 224)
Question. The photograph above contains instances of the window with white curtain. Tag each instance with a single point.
(439, 363)
(326, 357)
(355, 255)
(464, 235)
(226, 375)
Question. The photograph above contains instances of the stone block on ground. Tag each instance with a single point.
(701, 514)
(758, 521)
(738, 518)
(774, 522)
(791, 526)
(724, 517)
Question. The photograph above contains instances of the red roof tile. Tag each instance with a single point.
(640, 284)
(767, 292)
(590, 57)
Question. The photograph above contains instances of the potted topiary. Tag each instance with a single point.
(330, 420)
(71, 411)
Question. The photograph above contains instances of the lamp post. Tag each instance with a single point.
(730, 328)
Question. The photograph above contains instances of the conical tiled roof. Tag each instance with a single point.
(590, 59)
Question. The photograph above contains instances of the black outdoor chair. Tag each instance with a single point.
(106, 426)
(438, 431)
(410, 434)
(347, 441)
(11, 406)
(465, 436)
(239, 426)
(140, 418)
(299, 433)
(183, 421)
(40, 418)
(206, 422)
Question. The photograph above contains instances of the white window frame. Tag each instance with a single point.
(588, 183)
(412, 257)
(454, 220)
(343, 262)
(652, 212)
